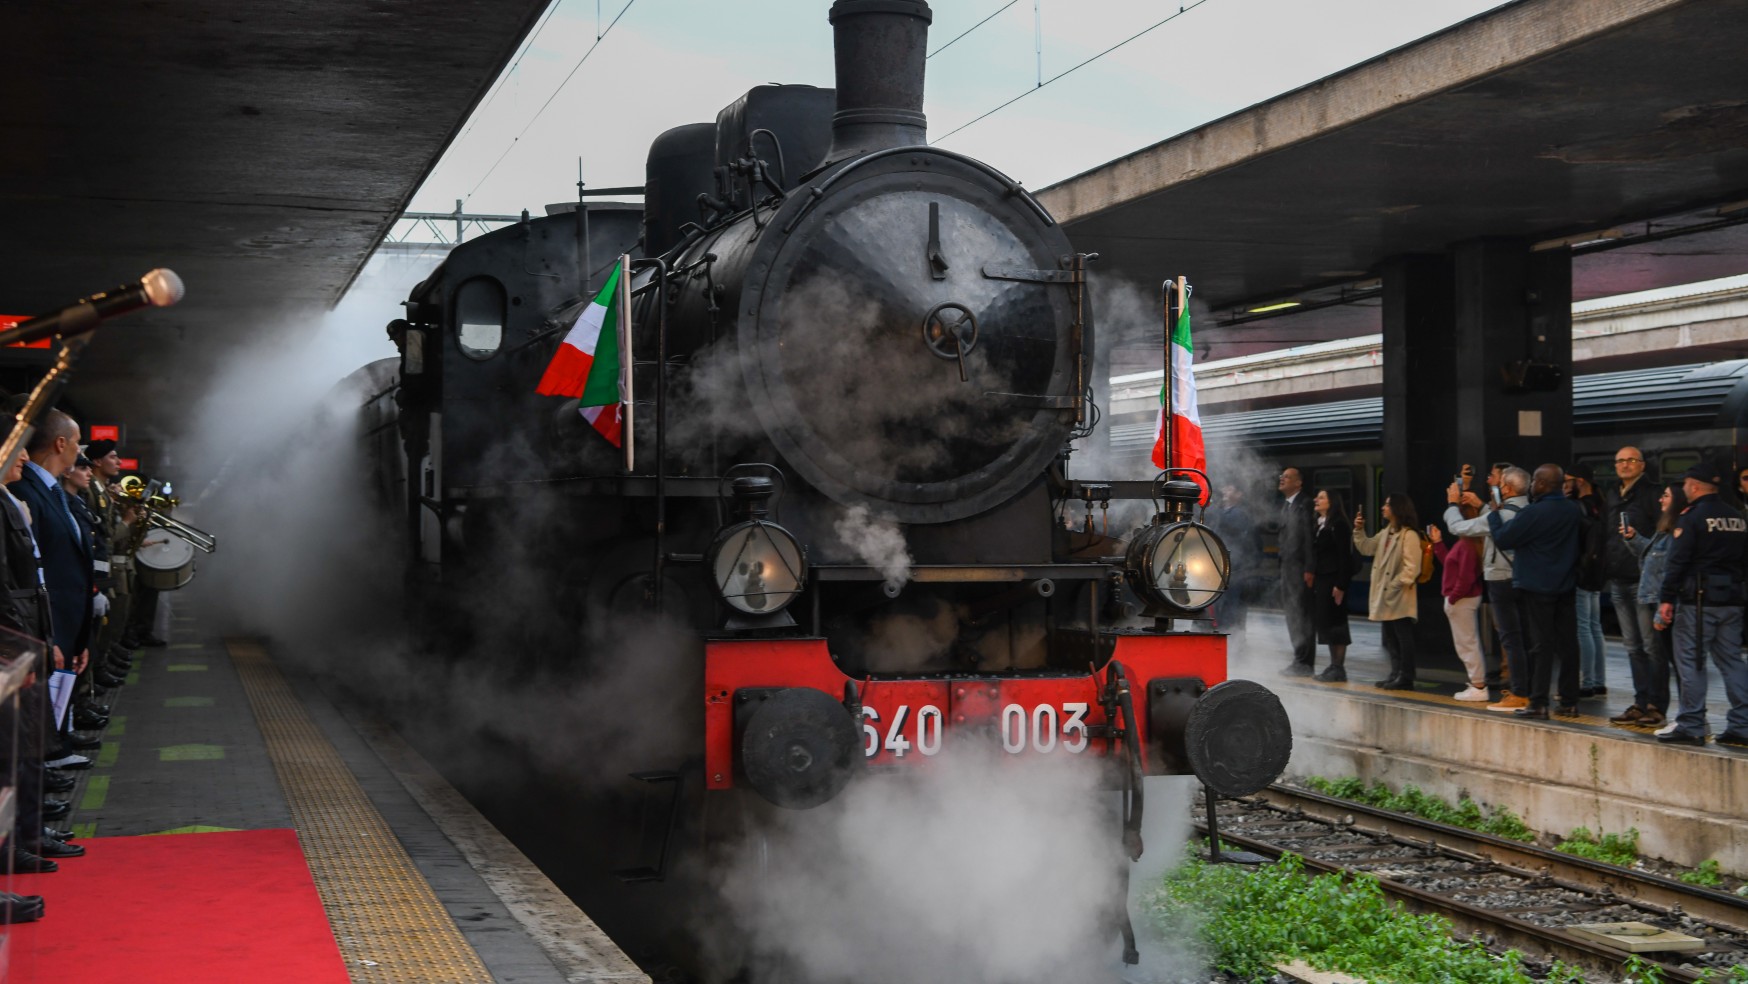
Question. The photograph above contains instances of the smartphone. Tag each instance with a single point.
(1624, 522)
(1495, 490)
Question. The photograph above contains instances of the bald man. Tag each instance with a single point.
(1632, 504)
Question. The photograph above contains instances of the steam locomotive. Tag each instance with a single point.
(858, 362)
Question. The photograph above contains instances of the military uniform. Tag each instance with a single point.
(1705, 583)
(113, 541)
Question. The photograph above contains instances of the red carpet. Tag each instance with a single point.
(182, 908)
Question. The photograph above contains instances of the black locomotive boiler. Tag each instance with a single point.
(858, 364)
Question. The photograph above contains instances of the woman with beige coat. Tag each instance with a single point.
(1396, 554)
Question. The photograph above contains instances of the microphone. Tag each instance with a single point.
(159, 288)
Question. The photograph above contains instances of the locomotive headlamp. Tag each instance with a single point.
(757, 566)
(1177, 564)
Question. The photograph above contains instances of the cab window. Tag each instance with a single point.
(479, 317)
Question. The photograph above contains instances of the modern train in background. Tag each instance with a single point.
(1674, 414)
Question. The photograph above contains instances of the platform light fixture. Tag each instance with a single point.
(1281, 306)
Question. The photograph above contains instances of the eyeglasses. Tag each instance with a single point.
(1626, 461)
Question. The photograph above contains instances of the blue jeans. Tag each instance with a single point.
(1591, 671)
(1722, 642)
(1513, 649)
(1647, 649)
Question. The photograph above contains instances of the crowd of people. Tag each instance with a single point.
(1523, 562)
(70, 603)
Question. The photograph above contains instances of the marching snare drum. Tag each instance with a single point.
(164, 561)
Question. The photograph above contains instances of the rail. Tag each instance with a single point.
(1452, 861)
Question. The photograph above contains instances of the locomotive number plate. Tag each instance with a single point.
(1045, 728)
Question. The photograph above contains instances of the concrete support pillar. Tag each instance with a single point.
(1459, 330)
(1420, 413)
(1512, 306)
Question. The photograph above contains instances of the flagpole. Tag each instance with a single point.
(627, 364)
(1165, 414)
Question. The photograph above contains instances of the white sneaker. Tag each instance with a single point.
(1473, 693)
(1667, 729)
(73, 761)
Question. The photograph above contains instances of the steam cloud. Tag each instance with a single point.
(969, 868)
(877, 542)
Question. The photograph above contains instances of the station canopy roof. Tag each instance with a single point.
(1606, 123)
(261, 150)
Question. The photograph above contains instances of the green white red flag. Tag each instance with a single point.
(1181, 416)
(587, 364)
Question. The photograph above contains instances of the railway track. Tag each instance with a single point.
(1517, 895)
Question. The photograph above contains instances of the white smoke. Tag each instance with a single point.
(876, 541)
(972, 868)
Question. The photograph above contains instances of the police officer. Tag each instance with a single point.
(1702, 595)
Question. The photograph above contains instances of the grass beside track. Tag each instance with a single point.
(1248, 920)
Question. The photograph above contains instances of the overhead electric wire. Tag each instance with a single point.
(1180, 12)
(504, 79)
(973, 27)
(560, 88)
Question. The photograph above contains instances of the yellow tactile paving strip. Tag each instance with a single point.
(390, 925)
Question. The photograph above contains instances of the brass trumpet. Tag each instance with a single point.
(154, 513)
(134, 489)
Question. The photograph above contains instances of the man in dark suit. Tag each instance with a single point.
(65, 548)
(1297, 523)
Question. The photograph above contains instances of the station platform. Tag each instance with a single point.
(1686, 801)
(241, 825)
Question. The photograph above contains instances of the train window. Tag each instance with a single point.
(1673, 463)
(479, 317)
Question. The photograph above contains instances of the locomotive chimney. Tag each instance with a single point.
(880, 47)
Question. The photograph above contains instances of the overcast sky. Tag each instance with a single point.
(669, 62)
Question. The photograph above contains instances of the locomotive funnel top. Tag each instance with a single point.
(880, 47)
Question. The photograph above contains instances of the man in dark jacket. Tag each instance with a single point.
(66, 550)
(1631, 505)
(1297, 523)
(1702, 596)
(1545, 538)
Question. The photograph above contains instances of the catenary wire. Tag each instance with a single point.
(1186, 8)
(504, 79)
(973, 27)
(556, 90)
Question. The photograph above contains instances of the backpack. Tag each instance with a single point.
(1592, 551)
(1426, 558)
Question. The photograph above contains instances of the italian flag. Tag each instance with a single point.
(1181, 416)
(586, 364)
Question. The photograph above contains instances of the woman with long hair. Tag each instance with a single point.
(1460, 583)
(1651, 673)
(1333, 568)
(1395, 551)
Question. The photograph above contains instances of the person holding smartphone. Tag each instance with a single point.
(1392, 599)
(1632, 506)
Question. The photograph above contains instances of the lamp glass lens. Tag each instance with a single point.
(758, 568)
(1190, 566)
